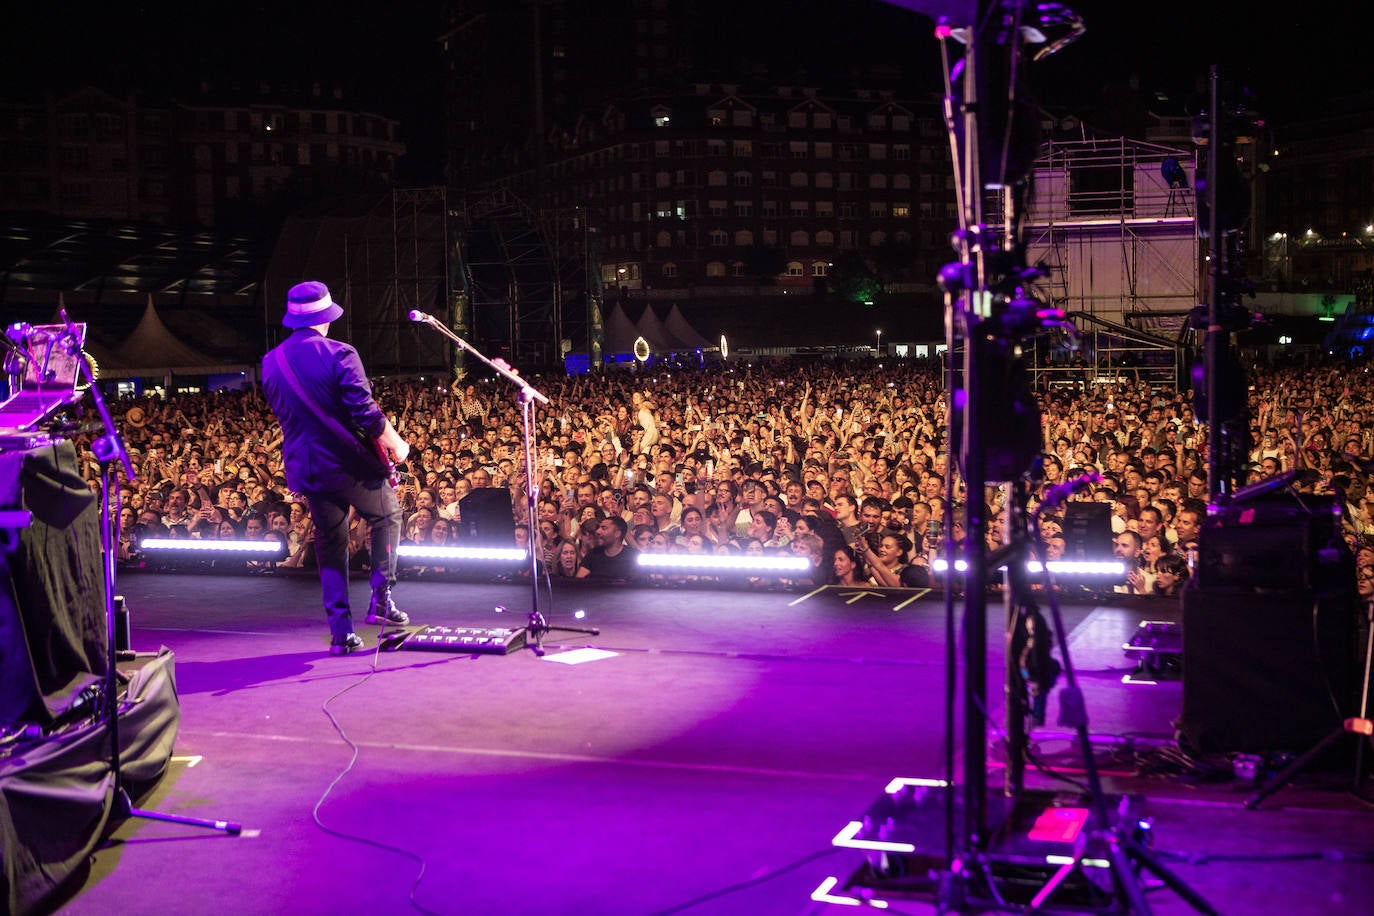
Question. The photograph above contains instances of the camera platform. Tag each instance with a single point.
(1032, 838)
(1157, 649)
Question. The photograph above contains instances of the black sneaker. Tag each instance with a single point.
(343, 645)
(384, 611)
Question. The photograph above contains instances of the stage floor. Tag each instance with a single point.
(708, 759)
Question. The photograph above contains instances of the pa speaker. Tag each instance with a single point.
(1087, 531)
(486, 518)
(1265, 671)
(1281, 541)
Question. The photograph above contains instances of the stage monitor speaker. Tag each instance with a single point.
(487, 518)
(52, 594)
(1265, 671)
(1088, 531)
(1284, 540)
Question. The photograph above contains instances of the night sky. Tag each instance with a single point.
(1294, 59)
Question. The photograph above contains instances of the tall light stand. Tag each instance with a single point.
(536, 626)
(989, 312)
(108, 449)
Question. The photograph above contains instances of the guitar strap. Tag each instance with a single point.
(334, 426)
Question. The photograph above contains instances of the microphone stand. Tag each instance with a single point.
(536, 626)
(109, 449)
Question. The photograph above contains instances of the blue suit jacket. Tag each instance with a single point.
(318, 459)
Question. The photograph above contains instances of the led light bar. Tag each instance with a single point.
(848, 837)
(1070, 860)
(459, 554)
(714, 562)
(822, 895)
(907, 782)
(260, 550)
(1059, 567)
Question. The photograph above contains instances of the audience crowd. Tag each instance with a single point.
(843, 463)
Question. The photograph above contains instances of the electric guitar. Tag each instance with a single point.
(393, 476)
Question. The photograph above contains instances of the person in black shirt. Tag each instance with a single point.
(612, 558)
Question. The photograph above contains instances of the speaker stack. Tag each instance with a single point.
(1269, 622)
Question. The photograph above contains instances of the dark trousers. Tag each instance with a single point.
(376, 503)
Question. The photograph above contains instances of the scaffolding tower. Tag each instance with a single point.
(1114, 223)
(526, 277)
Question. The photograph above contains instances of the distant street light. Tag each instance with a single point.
(879, 348)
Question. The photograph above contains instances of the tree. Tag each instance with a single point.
(852, 280)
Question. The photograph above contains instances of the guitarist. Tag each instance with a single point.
(338, 447)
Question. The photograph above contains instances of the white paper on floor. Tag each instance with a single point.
(578, 656)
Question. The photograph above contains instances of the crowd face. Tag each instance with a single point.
(607, 534)
(567, 558)
(1124, 547)
(1167, 581)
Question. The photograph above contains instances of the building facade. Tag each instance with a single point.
(90, 155)
(721, 191)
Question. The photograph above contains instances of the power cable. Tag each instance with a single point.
(366, 841)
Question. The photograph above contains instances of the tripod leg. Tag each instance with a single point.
(1173, 881)
(1283, 777)
(1124, 877)
(123, 807)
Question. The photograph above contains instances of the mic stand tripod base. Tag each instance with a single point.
(536, 627)
(123, 807)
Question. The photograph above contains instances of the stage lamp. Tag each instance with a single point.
(1173, 172)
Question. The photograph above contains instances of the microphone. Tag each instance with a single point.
(417, 315)
(1058, 494)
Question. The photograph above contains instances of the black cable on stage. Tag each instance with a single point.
(752, 882)
(315, 813)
